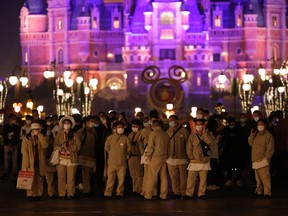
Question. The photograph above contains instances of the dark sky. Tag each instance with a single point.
(10, 51)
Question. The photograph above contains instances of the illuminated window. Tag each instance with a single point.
(116, 23)
(136, 80)
(167, 34)
(94, 23)
(26, 57)
(60, 24)
(274, 21)
(167, 18)
(275, 53)
(60, 56)
(239, 20)
(198, 79)
(217, 21)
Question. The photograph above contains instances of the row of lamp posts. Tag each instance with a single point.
(70, 88)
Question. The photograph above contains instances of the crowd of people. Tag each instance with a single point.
(108, 153)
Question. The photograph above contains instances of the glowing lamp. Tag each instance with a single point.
(169, 106)
(13, 80)
(262, 73)
(137, 109)
(1, 88)
(86, 90)
(222, 78)
(67, 73)
(69, 82)
(93, 83)
(24, 80)
(281, 89)
(246, 87)
(40, 108)
(79, 79)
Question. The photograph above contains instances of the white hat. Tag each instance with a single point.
(35, 126)
(69, 118)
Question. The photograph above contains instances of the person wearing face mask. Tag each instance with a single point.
(26, 128)
(11, 139)
(263, 144)
(87, 154)
(134, 165)
(232, 153)
(68, 144)
(118, 148)
(256, 115)
(191, 123)
(33, 159)
(178, 160)
(199, 164)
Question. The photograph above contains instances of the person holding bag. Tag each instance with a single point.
(68, 144)
(199, 163)
(33, 159)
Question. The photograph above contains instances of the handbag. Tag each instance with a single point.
(25, 180)
(205, 147)
(55, 157)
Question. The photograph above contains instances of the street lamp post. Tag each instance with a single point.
(18, 83)
(246, 93)
(3, 96)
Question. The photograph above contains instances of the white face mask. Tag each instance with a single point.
(66, 126)
(256, 119)
(135, 129)
(120, 130)
(199, 127)
(260, 128)
(199, 116)
(172, 124)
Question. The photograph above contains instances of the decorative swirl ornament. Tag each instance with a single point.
(177, 73)
(150, 74)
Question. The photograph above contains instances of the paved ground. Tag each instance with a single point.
(227, 201)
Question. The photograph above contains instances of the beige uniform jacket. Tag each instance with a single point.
(27, 151)
(74, 146)
(262, 145)
(158, 144)
(177, 145)
(194, 149)
(118, 148)
(137, 145)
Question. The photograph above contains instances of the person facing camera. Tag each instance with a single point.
(262, 142)
(68, 144)
(118, 148)
(33, 159)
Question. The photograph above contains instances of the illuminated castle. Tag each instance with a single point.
(114, 40)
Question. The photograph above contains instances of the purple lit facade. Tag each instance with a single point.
(114, 40)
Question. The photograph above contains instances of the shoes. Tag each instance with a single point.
(267, 196)
(212, 187)
(187, 197)
(30, 198)
(70, 197)
(107, 197)
(79, 186)
(52, 197)
(119, 197)
(258, 196)
(202, 197)
(228, 183)
(62, 197)
(161, 198)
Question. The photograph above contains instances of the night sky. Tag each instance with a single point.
(10, 50)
